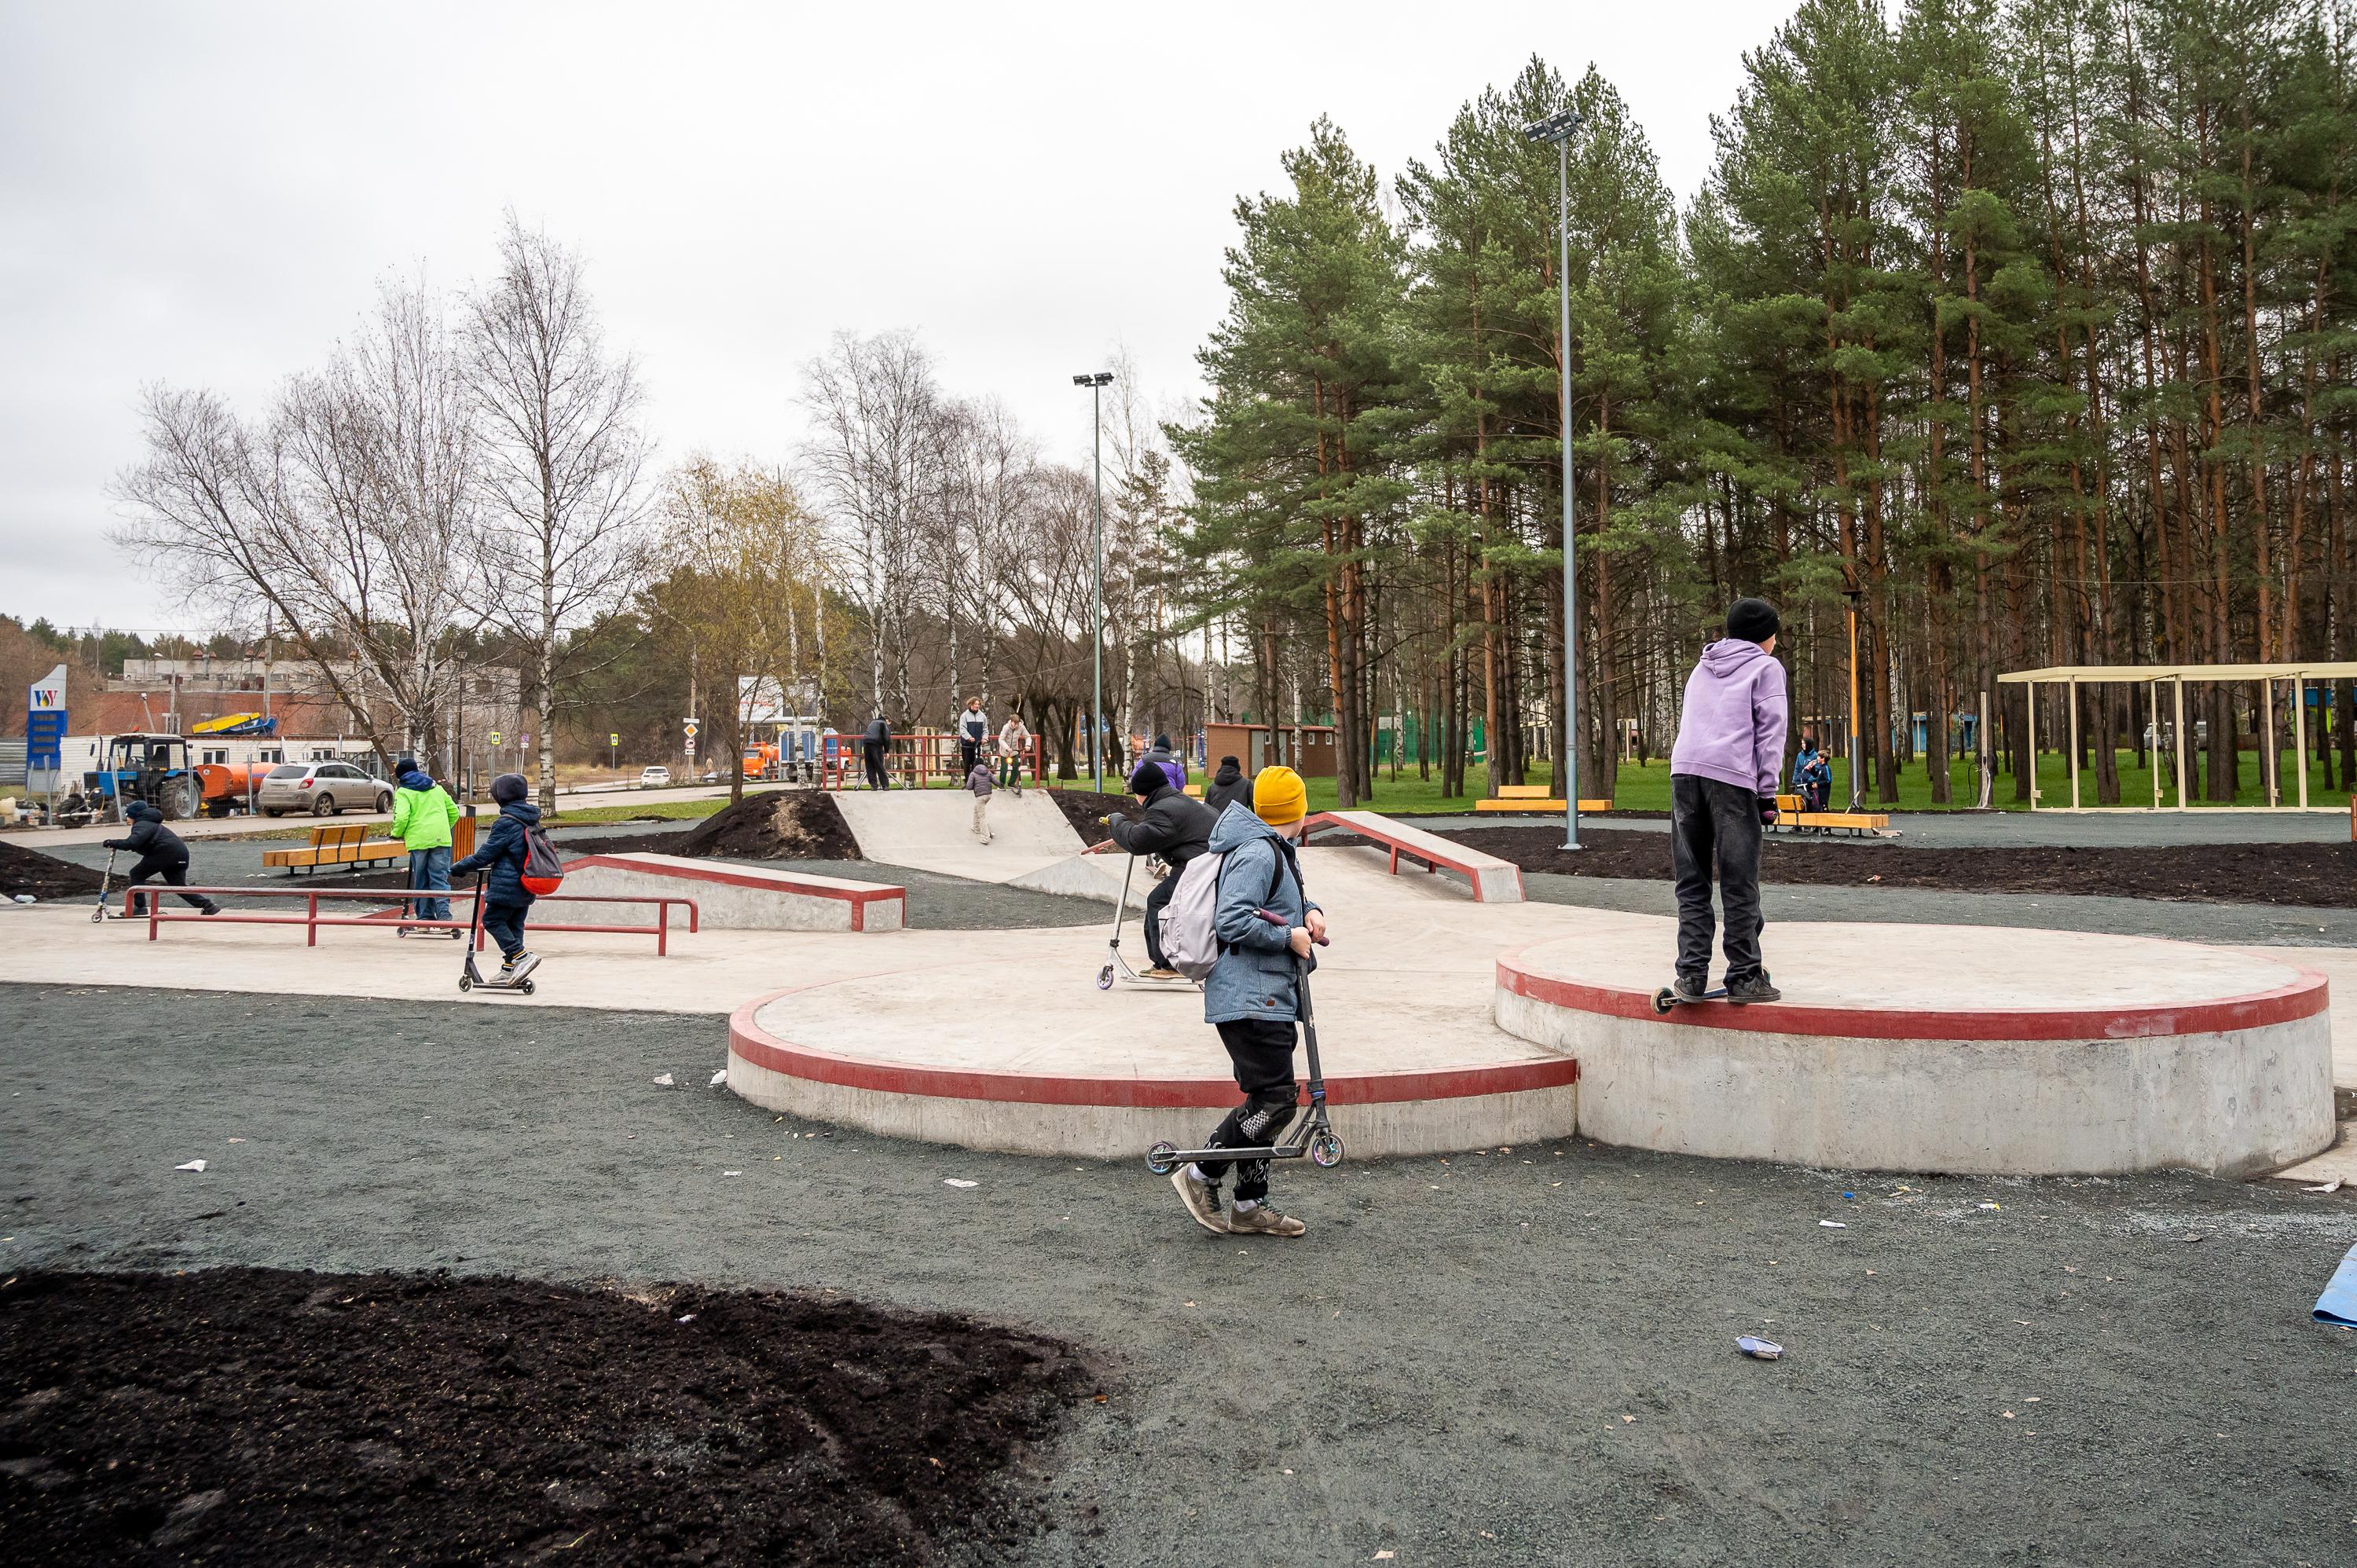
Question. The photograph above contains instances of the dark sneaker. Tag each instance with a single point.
(1752, 988)
(212, 909)
(1690, 987)
(1202, 1201)
(1260, 1220)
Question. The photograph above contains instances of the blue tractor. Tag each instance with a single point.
(150, 768)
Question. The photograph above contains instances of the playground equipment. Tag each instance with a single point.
(150, 768)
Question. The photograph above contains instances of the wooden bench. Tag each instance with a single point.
(341, 843)
(1535, 800)
(1835, 822)
(1495, 881)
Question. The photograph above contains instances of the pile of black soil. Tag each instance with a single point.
(28, 871)
(1081, 808)
(264, 1416)
(779, 824)
(2319, 875)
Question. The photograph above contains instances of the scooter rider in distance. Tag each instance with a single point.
(1174, 827)
(1723, 772)
(1253, 998)
(504, 899)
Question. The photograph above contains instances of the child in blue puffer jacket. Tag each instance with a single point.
(499, 857)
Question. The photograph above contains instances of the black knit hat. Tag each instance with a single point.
(509, 788)
(1753, 620)
(1148, 779)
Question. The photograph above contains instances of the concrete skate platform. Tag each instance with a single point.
(1963, 1049)
(1036, 1059)
(735, 897)
(932, 830)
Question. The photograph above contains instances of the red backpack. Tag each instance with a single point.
(542, 871)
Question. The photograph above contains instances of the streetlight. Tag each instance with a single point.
(1559, 128)
(1096, 382)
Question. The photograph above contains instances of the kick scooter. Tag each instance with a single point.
(469, 977)
(1117, 967)
(1314, 1137)
(1665, 999)
(103, 882)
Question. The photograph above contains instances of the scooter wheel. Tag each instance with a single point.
(465, 983)
(1326, 1151)
(525, 987)
(1664, 1000)
(1104, 978)
(1161, 1157)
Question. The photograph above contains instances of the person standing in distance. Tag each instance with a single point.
(1723, 772)
(972, 730)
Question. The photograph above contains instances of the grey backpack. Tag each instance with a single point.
(1189, 930)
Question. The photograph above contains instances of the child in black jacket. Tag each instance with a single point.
(162, 852)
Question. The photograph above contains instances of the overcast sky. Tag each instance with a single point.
(207, 194)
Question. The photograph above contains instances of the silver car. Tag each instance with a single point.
(322, 789)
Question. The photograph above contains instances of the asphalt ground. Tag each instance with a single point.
(2011, 830)
(1520, 1357)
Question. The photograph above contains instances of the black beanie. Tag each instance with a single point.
(1162, 743)
(1753, 620)
(1148, 778)
(509, 788)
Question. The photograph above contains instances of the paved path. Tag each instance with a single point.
(1522, 1357)
(2019, 830)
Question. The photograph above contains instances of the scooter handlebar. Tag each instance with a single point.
(1275, 919)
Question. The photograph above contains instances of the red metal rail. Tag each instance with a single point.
(311, 919)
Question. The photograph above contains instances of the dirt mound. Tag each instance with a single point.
(27, 871)
(789, 824)
(1081, 808)
(264, 1416)
(2319, 875)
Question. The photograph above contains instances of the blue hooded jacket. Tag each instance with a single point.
(500, 855)
(1253, 977)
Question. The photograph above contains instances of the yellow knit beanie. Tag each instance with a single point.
(1278, 797)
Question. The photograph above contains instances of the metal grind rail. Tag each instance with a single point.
(311, 919)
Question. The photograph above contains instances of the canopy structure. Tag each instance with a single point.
(2150, 677)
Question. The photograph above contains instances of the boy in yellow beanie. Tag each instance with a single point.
(1252, 997)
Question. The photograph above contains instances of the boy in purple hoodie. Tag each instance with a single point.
(1723, 772)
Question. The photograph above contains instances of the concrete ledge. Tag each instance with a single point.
(2231, 1084)
(736, 897)
(1495, 880)
(1116, 1116)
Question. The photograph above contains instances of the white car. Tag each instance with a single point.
(653, 778)
(322, 789)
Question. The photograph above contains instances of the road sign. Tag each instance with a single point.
(495, 737)
(614, 739)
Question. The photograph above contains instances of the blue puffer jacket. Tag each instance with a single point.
(500, 855)
(1253, 977)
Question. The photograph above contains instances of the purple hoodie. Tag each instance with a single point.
(1732, 729)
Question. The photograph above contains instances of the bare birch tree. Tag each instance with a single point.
(874, 406)
(562, 459)
(350, 514)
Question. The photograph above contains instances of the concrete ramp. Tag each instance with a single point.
(931, 829)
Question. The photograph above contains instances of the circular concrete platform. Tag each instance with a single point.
(1944, 1048)
(1033, 1058)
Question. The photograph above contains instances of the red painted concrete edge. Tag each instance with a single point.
(755, 1045)
(2303, 998)
(861, 895)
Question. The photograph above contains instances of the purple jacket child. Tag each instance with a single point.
(1732, 727)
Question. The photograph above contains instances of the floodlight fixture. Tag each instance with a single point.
(1555, 127)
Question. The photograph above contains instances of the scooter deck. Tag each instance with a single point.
(1665, 999)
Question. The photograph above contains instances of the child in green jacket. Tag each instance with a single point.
(423, 815)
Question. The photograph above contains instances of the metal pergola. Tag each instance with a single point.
(2151, 677)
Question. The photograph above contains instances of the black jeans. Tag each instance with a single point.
(1709, 818)
(873, 755)
(174, 873)
(1262, 1050)
(505, 924)
(1153, 904)
(969, 753)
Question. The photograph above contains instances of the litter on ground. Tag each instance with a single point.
(1832, 1224)
(663, 1082)
(1759, 1349)
(718, 1079)
(191, 1165)
(954, 1181)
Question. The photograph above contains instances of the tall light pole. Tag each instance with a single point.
(1559, 128)
(1096, 382)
